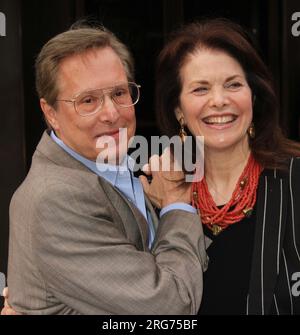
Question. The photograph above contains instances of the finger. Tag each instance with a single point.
(155, 203)
(165, 160)
(11, 311)
(6, 304)
(167, 152)
(145, 183)
(8, 311)
(154, 163)
(5, 292)
(169, 158)
(148, 191)
(146, 169)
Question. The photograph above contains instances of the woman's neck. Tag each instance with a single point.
(223, 169)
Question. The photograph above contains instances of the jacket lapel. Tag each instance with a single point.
(270, 225)
(152, 212)
(128, 213)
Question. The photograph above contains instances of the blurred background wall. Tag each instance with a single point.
(143, 26)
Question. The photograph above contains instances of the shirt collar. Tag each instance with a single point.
(107, 171)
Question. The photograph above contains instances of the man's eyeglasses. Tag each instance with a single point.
(90, 102)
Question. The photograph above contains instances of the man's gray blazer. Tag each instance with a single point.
(78, 246)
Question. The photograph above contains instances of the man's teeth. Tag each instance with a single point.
(219, 119)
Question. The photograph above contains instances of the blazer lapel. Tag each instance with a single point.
(125, 207)
(152, 212)
(126, 210)
(270, 225)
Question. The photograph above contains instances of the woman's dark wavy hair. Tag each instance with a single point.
(269, 147)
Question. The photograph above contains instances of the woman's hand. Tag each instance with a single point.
(7, 310)
(168, 183)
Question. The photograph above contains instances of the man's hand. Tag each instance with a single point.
(7, 310)
(168, 185)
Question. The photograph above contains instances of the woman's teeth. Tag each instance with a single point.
(220, 119)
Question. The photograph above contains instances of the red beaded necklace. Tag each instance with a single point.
(240, 205)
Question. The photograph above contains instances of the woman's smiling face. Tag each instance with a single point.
(215, 99)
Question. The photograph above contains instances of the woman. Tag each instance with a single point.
(211, 80)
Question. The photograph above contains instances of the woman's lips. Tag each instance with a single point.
(220, 122)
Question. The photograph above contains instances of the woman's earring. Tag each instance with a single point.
(182, 132)
(251, 131)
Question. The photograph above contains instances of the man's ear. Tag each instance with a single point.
(50, 114)
(178, 114)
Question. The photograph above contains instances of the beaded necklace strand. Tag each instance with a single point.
(240, 205)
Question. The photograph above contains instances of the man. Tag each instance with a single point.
(80, 239)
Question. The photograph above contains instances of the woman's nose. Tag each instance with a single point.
(218, 98)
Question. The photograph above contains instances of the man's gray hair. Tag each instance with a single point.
(78, 39)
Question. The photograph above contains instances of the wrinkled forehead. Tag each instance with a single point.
(122, 87)
(95, 68)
